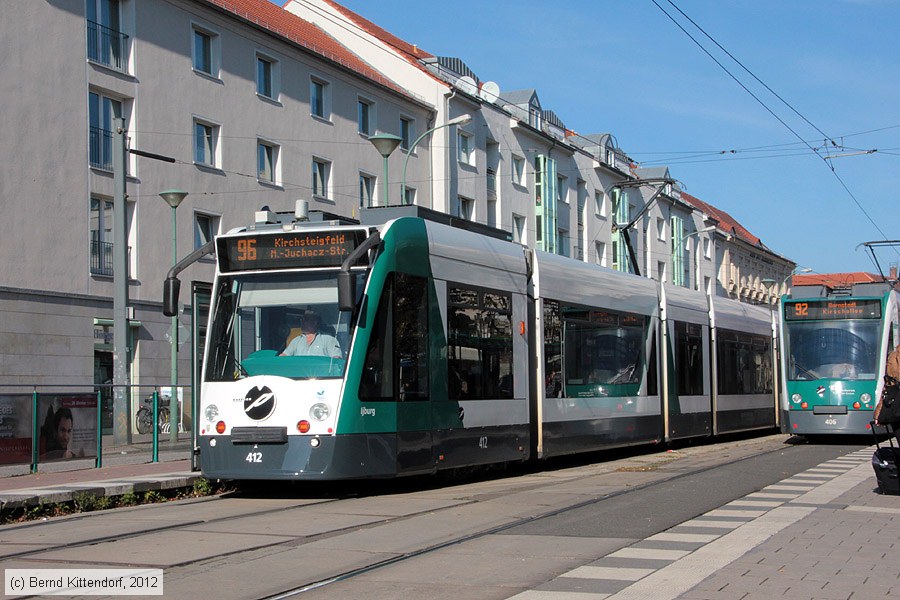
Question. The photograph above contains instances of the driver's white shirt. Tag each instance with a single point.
(322, 345)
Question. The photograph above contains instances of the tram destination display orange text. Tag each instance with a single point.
(294, 249)
(823, 310)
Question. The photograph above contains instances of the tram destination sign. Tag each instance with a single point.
(288, 250)
(825, 310)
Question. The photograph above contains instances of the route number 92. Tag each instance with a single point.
(254, 457)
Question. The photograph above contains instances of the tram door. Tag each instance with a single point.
(689, 400)
(411, 361)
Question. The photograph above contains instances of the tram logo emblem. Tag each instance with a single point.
(821, 391)
(259, 403)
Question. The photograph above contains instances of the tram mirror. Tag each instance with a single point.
(171, 288)
(346, 283)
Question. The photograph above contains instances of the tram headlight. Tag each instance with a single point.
(796, 398)
(865, 397)
(319, 411)
(211, 412)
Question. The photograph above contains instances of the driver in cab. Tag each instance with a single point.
(312, 342)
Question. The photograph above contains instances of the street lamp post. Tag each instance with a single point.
(173, 198)
(460, 120)
(385, 143)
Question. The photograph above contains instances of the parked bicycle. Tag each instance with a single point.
(145, 416)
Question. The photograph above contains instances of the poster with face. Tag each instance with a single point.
(15, 429)
(69, 426)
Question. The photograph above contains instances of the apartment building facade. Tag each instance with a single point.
(248, 105)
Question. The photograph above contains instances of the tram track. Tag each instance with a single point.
(481, 492)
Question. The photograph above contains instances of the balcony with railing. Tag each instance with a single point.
(107, 46)
(101, 148)
(101, 258)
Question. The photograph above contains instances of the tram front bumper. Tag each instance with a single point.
(823, 422)
(300, 458)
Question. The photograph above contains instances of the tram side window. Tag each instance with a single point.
(479, 354)
(689, 358)
(602, 347)
(744, 363)
(377, 379)
(552, 350)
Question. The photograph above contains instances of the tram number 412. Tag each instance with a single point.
(254, 457)
(482, 442)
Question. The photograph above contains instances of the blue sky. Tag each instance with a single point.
(624, 67)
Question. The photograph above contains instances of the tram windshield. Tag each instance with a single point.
(835, 350)
(285, 324)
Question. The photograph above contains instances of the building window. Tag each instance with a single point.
(660, 229)
(707, 248)
(267, 162)
(364, 116)
(205, 48)
(600, 248)
(205, 229)
(101, 220)
(318, 99)
(206, 137)
(562, 242)
(102, 113)
(106, 44)
(407, 132)
(466, 152)
(366, 190)
(409, 196)
(321, 172)
(600, 204)
(466, 208)
(266, 77)
(518, 170)
(518, 229)
(562, 189)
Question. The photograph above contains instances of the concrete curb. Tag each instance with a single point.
(55, 494)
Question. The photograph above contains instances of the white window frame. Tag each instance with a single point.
(562, 189)
(600, 204)
(707, 248)
(518, 169)
(600, 249)
(408, 136)
(519, 228)
(466, 208)
(660, 229)
(367, 194)
(465, 148)
(274, 76)
(325, 113)
(214, 50)
(273, 156)
(215, 222)
(321, 178)
(410, 195)
(213, 148)
(364, 105)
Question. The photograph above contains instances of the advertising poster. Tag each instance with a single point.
(68, 426)
(15, 429)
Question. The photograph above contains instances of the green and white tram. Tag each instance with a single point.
(455, 349)
(834, 352)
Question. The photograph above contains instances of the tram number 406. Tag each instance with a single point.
(254, 457)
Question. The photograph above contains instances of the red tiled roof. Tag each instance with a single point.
(303, 33)
(727, 223)
(835, 280)
(413, 53)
